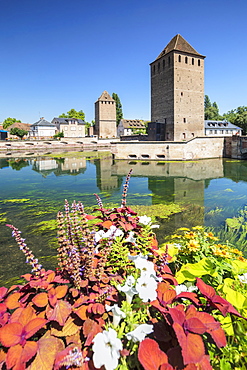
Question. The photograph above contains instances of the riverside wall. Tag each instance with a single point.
(194, 149)
(197, 148)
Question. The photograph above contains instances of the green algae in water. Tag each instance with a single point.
(157, 210)
(15, 200)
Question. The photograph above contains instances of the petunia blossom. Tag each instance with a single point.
(146, 267)
(140, 332)
(146, 287)
(106, 348)
(128, 288)
(131, 238)
(183, 288)
(243, 278)
(144, 220)
(117, 313)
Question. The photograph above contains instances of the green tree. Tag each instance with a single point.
(18, 132)
(211, 111)
(238, 117)
(119, 110)
(72, 113)
(207, 102)
(9, 121)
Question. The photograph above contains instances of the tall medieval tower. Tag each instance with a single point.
(177, 90)
(105, 116)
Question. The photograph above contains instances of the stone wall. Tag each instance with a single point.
(194, 149)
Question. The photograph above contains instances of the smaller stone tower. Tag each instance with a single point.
(105, 116)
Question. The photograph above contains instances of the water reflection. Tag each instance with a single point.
(34, 189)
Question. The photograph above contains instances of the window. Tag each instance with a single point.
(179, 58)
(158, 66)
(199, 62)
(182, 93)
(164, 64)
(184, 120)
(215, 131)
(186, 60)
(192, 60)
(154, 70)
(169, 61)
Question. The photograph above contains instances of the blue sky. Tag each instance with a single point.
(61, 54)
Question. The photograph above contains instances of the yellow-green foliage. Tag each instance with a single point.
(157, 210)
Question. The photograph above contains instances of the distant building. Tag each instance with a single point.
(3, 133)
(105, 116)
(129, 127)
(156, 131)
(71, 127)
(21, 126)
(221, 128)
(42, 129)
(177, 90)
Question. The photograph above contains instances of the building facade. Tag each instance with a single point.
(71, 127)
(130, 127)
(42, 129)
(221, 128)
(105, 117)
(177, 90)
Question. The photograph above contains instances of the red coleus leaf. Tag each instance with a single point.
(90, 329)
(90, 217)
(96, 308)
(3, 292)
(190, 296)
(60, 312)
(40, 300)
(195, 325)
(191, 344)
(222, 304)
(150, 355)
(107, 224)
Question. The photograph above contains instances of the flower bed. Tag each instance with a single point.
(118, 301)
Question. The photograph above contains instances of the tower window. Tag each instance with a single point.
(154, 70)
(169, 61)
(192, 61)
(184, 120)
(164, 63)
(186, 60)
(158, 66)
(199, 62)
(182, 93)
(179, 58)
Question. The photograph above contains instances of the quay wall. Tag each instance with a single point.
(197, 148)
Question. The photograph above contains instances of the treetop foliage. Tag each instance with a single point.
(9, 121)
(72, 113)
(119, 109)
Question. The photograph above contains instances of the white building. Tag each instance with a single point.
(129, 127)
(221, 128)
(42, 129)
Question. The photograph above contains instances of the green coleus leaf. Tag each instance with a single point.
(238, 267)
(192, 270)
(235, 298)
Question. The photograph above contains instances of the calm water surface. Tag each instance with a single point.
(32, 191)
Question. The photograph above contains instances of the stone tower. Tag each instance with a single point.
(177, 90)
(105, 116)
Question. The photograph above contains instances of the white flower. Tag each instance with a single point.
(131, 238)
(106, 348)
(183, 288)
(155, 226)
(128, 288)
(243, 278)
(140, 332)
(146, 287)
(113, 232)
(117, 313)
(145, 220)
(146, 267)
(99, 235)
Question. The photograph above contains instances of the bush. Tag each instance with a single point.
(112, 303)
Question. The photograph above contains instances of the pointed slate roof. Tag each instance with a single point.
(178, 43)
(43, 122)
(106, 96)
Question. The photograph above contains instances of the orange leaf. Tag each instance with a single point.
(107, 224)
(90, 329)
(10, 334)
(150, 355)
(61, 290)
(27, 314)
(12, 301)
(29, 351)
(82, 312)
(41, 299)
(33, 326)
(69, 328)
(3, 292)
(60, 312)
(48, 347)
(13, 355)
(2, 356)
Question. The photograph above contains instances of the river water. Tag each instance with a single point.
(32, 191)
